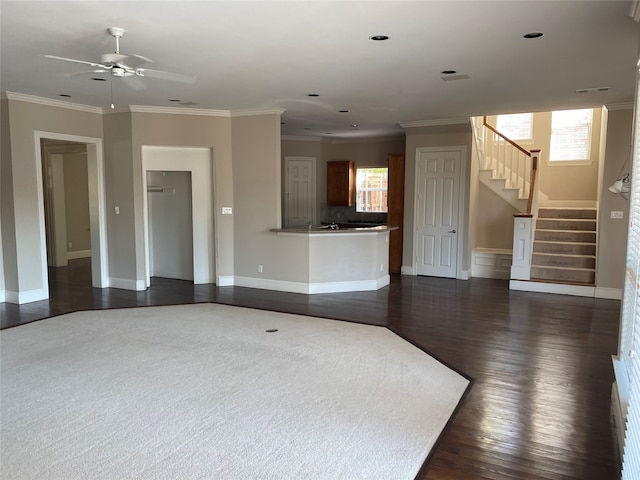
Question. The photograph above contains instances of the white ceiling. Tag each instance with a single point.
(248, 55)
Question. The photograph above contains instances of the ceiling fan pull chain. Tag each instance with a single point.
(111, 87)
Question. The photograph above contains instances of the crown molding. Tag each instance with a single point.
(257, 111)
(378, 138)
(49, 102)
(433, 123)
(620, 106)
(179, 111)
(301, 138)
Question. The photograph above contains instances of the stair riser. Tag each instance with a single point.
(567, 213)
(563, 261)
(566, 248)
(563, 275)
(561, 224)
(562, 236)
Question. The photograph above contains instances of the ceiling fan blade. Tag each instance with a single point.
(84, 72)
(174, 77)
(134, 82)
(93, 64)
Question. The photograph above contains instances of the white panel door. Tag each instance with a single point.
(300, 192)
(437, 202)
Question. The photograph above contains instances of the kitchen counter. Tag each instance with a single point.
(324, 230)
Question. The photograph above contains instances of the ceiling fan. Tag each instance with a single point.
(126, 66)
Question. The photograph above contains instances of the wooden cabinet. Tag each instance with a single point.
(395, 212)
(341, 183)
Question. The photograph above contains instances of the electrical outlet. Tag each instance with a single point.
(617, 214)
(227, 210)
(70, 245)
(259, 268)
(117, 209)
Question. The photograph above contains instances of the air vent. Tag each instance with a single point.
(591, 90)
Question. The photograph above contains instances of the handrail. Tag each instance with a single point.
(508, 140)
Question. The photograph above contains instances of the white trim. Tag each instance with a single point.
(433, 123)
(78, 254)
(3, 296)
(611, 293)
(26, 297)
(21, 97)
(127, 284)
(620, 106)
(179, 111)
(557, 288)
(225, 281)
(464, 275)
(377, 138)
(257, 111)
(491, 263)
(312, 288)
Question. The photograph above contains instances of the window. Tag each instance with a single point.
(571, 135)
(516, 126)
(371, 189)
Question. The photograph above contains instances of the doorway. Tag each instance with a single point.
(92, 171)
(198, 163)
(170, 224)
(438, 178)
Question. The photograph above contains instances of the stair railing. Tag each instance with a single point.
(510, 161)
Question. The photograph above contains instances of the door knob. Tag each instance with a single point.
(451, 231)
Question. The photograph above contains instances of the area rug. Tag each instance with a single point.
(211, 391)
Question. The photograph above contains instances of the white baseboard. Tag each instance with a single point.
(224, 281)
(464, 275)
(407, 271)
(127, 284)
(78, 254)
(491, 263)
(26, 297)
(3, 295)
(312, 288)
(611, 293)
(563, 289)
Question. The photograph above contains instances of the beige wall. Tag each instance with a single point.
(8, 281)
(23, 222)
(612, 233)
(257, 193)
(436, 136)
(76, 202)
(493, 221)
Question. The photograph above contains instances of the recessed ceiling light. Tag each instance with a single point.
(174, 100)
(379, 38)
(448, 72)
(533, 35)
(354, 125)
(64, 95)
(344, 111)
(283, 123)
(307, 128)
(98, 79)
(313, 94)
(328, 133)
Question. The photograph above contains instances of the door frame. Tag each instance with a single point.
(460, 273)
(97, 207)
(314, 193)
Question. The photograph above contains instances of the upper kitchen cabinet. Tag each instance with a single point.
(340, 183)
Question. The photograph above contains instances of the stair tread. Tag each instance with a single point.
(556, 267)
(570, 255)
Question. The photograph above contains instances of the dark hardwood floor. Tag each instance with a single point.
(539, 406)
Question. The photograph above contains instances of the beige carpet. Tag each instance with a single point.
(206, 392)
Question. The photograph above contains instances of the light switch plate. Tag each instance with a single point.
(227, 210)
(617, 214)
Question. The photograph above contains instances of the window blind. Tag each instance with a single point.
(571, 135)
(630, 328)
(516, 126)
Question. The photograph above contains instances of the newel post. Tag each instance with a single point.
(522, 245)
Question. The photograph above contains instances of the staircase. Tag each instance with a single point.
(564, 246)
